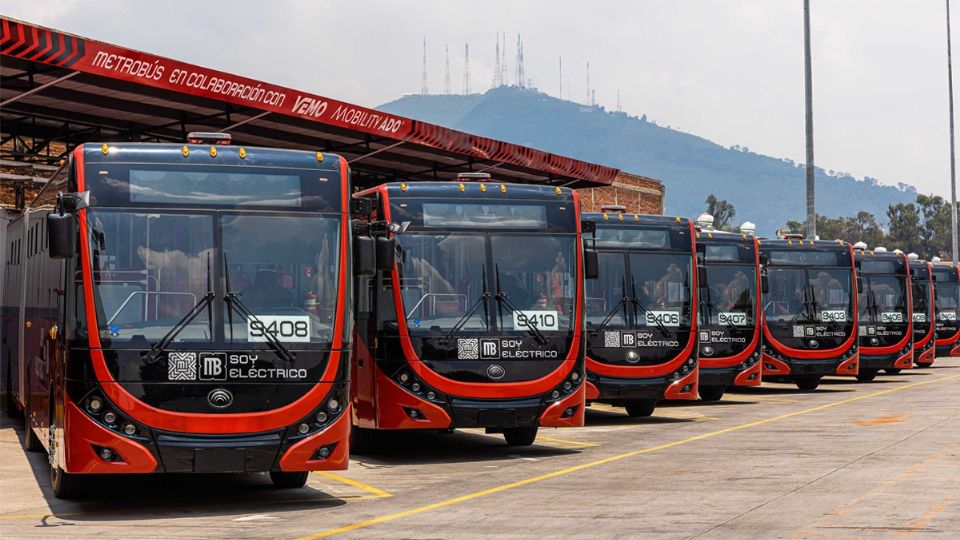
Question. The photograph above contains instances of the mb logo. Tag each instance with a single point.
(489, 348)
(213, 367)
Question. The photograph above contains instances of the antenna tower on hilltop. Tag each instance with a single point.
(446, 73)
(466, 68)
(423, 77)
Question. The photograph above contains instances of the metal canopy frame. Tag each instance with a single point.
(58, 90)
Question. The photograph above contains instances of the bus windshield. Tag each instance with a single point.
(654, 293)
(451, 280)
(809, 295)
(883, 300)
(729, 300)
(151, 269)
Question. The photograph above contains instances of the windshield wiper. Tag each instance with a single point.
(503, 299)
(713, 307)
(234, 303)
(154, 353)
(466, 316)
(637, 303)
(817, 306)
(622, 303)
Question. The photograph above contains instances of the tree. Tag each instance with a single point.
(905, 229)
(723, 213)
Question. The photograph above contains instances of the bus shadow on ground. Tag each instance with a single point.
(725, 400)
(783, 389)
(416, 447)
(172, 496)
(598, 417)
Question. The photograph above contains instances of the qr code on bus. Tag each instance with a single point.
(468, 349)
(182, 366)
(611, 339)
(797, 330)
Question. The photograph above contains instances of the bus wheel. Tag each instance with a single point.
(711, 393)
(867, 375)
(289, 480)
(65, 485)
(892, 371)
(640, 408)
(520, 436)
(807, 383)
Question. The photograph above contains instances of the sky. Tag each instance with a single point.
(727, 70)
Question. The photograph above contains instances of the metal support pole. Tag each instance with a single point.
(808, 103)
(953, 166)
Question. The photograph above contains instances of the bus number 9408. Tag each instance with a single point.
(295, 328)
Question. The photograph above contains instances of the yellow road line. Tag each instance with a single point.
(350, 482)
(565, 441)
(611, 459)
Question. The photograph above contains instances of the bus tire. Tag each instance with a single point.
(807, 383)
(711, 393)
(520, 436)
(65, 485)
(892, 371)
(289, 480)
(640, 408)
(923, 365)
(867, 375)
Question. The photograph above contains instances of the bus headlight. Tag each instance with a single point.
(95, 404)
(109, 417)
(333, 404)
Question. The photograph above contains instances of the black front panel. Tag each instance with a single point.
(256, 381)
(469, 358)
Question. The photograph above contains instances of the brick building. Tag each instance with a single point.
(639, 194)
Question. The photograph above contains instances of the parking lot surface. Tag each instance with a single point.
(876, 460)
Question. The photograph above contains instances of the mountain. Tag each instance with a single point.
(764, 189)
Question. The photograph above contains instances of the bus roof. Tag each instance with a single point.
(617, 219)
(205, 154)
(492, 190)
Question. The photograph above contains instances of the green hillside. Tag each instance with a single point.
(766, 190)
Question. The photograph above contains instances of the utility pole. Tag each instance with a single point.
(808, 102)
(953, 166)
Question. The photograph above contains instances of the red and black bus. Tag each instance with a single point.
(183, 308)
(924, 314)
(730, 329)
(886, 306)
(810, 312)
(946, 288)
(641, 311)
(477, 320)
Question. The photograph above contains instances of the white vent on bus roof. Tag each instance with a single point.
(705, 221)
(913, 256)
(614, 208)
(880, 249)
(861, 245)
(935, 259)
(748, 227)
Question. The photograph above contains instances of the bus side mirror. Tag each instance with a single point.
(764, 284)
(701, 275)
(61, 235)
(588, 227)
(364, 256)
(386, 253)
(859, 284)
(591, 264)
